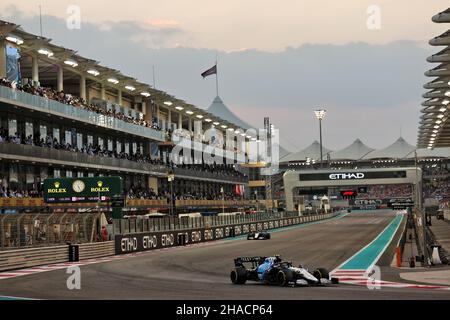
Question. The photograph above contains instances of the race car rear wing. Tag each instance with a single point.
(255, 261)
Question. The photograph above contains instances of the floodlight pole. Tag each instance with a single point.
(320, 114)
(320, 134)
(421, 209)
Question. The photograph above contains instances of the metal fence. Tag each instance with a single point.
(32, 230)
(145, 224)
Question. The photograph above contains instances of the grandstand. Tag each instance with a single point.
(64, 115)
(434, 128)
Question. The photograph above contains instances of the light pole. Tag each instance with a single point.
(223, 199)
(320, 114)
(418, 204)
(170, 178)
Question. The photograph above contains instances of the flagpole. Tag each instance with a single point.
(154, 82)
(217, 79)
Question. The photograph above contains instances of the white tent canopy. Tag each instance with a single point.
(219, 109)
(312, 152)
(398, 150)
(355, 151)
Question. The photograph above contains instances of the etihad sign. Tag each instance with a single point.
(346, 176)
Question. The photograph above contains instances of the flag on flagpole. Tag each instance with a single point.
(210, 71)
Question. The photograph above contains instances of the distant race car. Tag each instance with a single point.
(264, 235)
(274, 271)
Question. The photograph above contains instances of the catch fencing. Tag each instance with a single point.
(145, 224)
(37, 230)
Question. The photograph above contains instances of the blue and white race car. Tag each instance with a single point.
(274, 271)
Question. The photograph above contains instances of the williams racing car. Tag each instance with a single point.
(264, 235)
(274, 271)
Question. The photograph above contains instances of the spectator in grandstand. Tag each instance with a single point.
(223, 170)
(387, 192)
(76, 102)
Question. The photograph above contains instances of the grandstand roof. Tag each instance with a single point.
(312, 152)
(355, 151)
(434, 127)
(398, 150)
(427, 153)
(33, 43)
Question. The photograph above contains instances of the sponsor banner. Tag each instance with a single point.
(395, 203)
(400, 203)
(352, 175)
(137, 242)
(75, 190)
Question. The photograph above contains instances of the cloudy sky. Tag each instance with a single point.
(281, 59)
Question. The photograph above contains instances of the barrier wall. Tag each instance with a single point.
(25, 258)
(136, 242)
(96, 250)
(31, 257)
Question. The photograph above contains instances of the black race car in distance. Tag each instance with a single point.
(263, 235)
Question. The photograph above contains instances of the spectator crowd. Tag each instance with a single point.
(76, 102)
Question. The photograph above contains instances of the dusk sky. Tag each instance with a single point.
(281, 59)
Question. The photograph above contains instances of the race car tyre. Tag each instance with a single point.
(321, 273)
(284, 277)
(268, 236)
(238, 276)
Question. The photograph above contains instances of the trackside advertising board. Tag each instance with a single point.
(143, 241)
(92, 189)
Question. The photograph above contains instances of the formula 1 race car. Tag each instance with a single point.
(264, 235)
(274, 271)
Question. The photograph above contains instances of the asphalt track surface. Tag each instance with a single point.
(203, 272)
